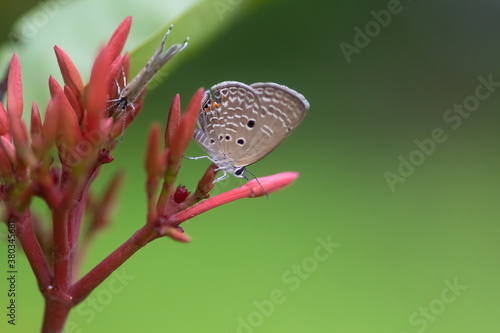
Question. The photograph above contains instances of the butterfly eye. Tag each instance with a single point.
(239, 172)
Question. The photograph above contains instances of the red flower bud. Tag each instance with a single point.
(9, 150)
(185, 130)
(69, 128)
(50, 125)
(53, 86)
(174, 117)
(5, 166)
(104, 157)
(176, 234)
(69, 73)
(36, 130)
(98, 87)
(4, 122)
(180, 194)
(36, 122)
(205, 185)
(117, 41)
(15, 88)
(73, 101)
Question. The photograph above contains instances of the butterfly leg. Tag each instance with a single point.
(116, 101)
(133, 110)
(123, 126)
(224, 176)
(197, 157)
(118, 89)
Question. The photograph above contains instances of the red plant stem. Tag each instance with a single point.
(62, 267)
(48, 192)
(55, 315)
(72, 221)
(166, 190)
(99, 273)
(76, 210)
(251, 189)
(75, 219)
(151, 187)
(56, 310)
(210, 203)
(76, 203)
(168, 186)
(83, 252)
(33, 251)
(66, 231)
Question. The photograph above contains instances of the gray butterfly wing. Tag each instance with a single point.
(224, 120)
(281, 111)
(200, 134)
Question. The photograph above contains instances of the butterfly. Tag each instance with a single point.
(240, 124)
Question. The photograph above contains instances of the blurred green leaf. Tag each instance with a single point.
(81, 27)
(201, 23)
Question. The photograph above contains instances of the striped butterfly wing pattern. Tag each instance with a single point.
(241, 124)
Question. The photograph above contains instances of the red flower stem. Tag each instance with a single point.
(151, 187)
(74, 222)
(82, 252)
(47, 191)
(33, 251)
(161, 205)
(60, 237)
(249, 190)
(99, 273)
(75, 217)
(76, 210)
(62, 266)
(55, 315)
(168, 186)
(210, 203)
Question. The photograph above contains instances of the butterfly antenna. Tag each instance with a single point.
(267, 195)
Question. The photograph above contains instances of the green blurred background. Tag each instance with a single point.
(422, 257)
